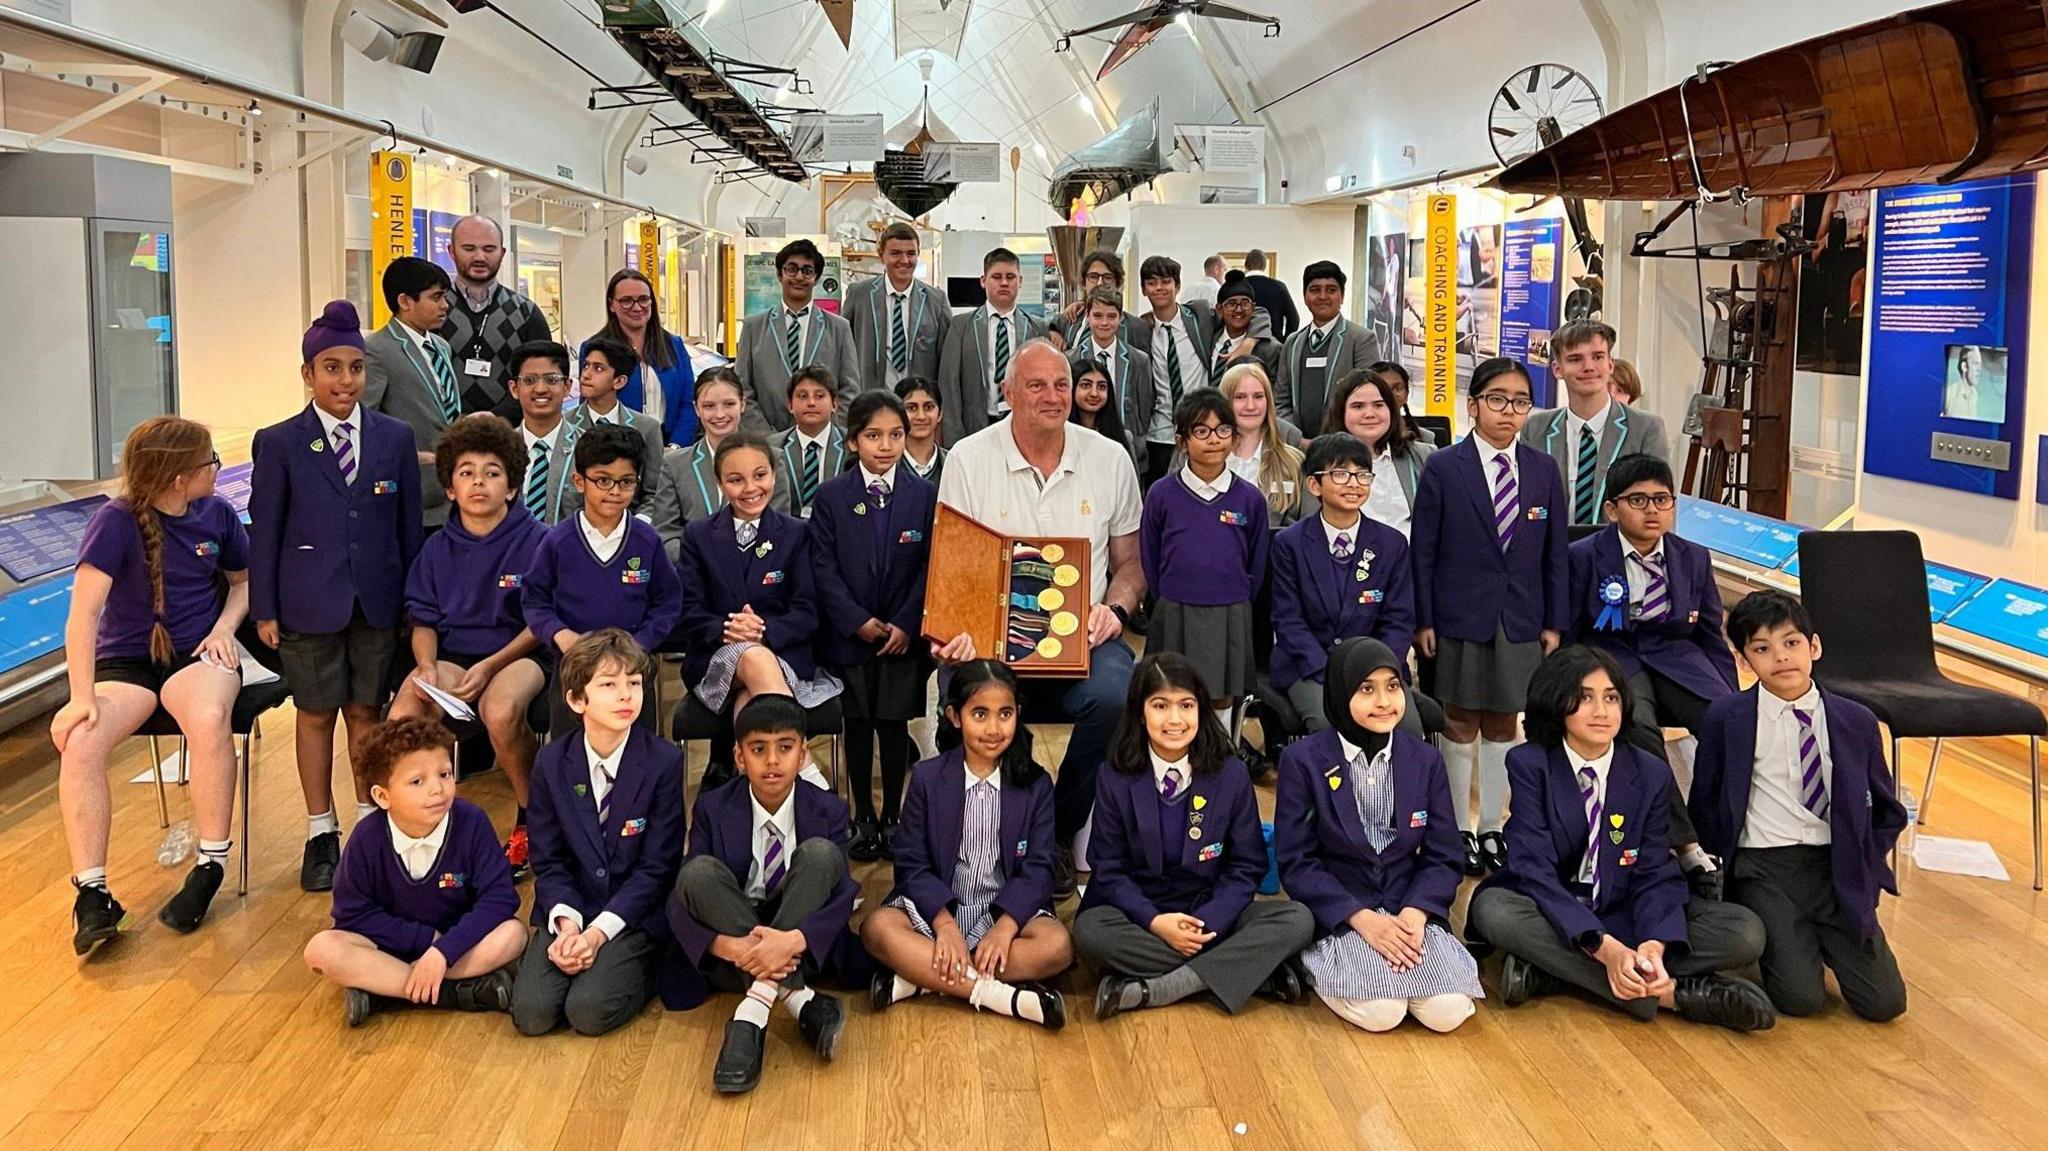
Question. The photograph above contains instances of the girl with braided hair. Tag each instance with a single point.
(161, 586)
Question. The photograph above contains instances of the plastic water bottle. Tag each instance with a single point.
(177, 845)
(1911, 803)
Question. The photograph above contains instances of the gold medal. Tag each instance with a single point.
(1052, 599)
(1053, 553)
(1049, 648)
(1065, 623)
(1066, 575)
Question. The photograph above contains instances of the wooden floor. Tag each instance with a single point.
(224, 1040)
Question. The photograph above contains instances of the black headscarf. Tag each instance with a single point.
(1351, 662)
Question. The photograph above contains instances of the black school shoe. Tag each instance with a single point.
(1063, 879)
(1724, 1001)
(820, 1023)
(358, 1005)
(738, 1069)
(1521, 981)
(96, 917)
(323, 854)
(187, 909)
(1109, 996)
(882, 990)
(889, 831)
(1050, 1004)
(1493, 849)
(490, 992)
(1284, 985)
(866, 844)
(1474, 866)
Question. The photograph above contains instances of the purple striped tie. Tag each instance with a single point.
(1656, 593)
(772, 865)
(1813, 791)
(1589, 794)
(1507, 501)
(345, 453)
(1341, 547)
(1171, 787)
(604, 805)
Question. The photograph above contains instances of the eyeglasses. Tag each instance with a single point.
(634, 302)
(1662, 501)
(212, 463)
(1346, 477)
(1099, 278)
(612, 484)
(552, 379)
(1496, 402)
(800, 270)
(1208, 432)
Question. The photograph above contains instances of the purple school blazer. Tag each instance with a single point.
(774, 575)
(1685, 646)
(1143, 873)
(626, 865)
(1465, 586)
(868, 562)
(1864, 813)
(318, 546)
(1316, 603)
(1642, 891)
(927, 843)
(1327, 863)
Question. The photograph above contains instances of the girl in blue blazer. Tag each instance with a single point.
(1491, 582)
(1178, 854)
(870, 540)
(971, 914)
(1364, 831)
(749, 605)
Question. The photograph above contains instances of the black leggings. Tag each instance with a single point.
(861, 735)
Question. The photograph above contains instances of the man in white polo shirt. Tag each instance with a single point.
(1027, 475)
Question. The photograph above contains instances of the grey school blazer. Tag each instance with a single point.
(1626, 431)
(764, 375)
(398, 382)
(1301, 394)
(689, 492)
(867, 314)
(563, 500)
(967, 366)
(650, 455)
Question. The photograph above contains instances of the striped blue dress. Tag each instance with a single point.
(976, 880)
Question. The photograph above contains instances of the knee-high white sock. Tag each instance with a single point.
(758, 1003)
(1493, 784)
(988, 994)
(1458, 765)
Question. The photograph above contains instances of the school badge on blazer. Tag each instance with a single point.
(772, 578)
(1023, 845)
(1209, 851)
(632, 827)
(512, 580)
(1418, 818)
(451, 879)
(384, 488)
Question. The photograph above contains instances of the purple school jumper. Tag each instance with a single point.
(568, 588)
(464, 896)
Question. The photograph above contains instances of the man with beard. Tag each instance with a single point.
(488, 319)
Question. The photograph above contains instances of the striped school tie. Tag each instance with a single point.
(537, 482)
(1002, 356)
(1316, 340)
(899, 335)
(793, 340)
(1589, 794)
(1173, 380)
(345, 453)
(879, 493)
(1340, 548)
(745, 533)
(773, 866)
(1219, 364)
(1585, 500)
(604, 802)
(444, 382)
(1656, 592)
(1171, 786)
(1813, 790)
(1507, 501)
(807, 479)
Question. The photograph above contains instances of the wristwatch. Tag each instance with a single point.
(1122, 617)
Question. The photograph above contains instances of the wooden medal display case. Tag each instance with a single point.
(1024, 599)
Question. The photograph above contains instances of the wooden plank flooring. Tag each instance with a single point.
(223, 1040)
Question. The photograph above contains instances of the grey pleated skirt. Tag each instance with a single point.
(1485, 676)
(1217, 640)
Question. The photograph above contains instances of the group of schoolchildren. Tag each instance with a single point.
(789, 571)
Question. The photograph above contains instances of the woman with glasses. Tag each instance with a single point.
(664, 384)
(1203, 542)
(1364, 405)
(1491, 589)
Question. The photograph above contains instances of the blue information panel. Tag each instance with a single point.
(37, 542)
(1532, 261)
(232, 485)
(32, 621)
(2009, 613)
(1758, 539)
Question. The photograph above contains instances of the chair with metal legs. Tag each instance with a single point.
(244, 722)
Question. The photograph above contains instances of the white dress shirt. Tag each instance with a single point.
(1572, 425)
(1487, 454)
(1776, 817)
(353, 421)
(418, 855)
(600, 766)
(533, 442)
(1203, 488)
(1246, 468)
(603, 545)
(425, 346)
(887, 479)
(616, 416)
(1332, 531)
(1107, 358)
(1600, 767)
(1161, 766)
(785, 823)
(1387, 502)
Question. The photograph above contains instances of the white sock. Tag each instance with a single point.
(365, 811)
(215, 850)
(97, 877)
(1458, 765)
(757, 1004)
(322, 823)
(903, 989)
(1493, 784)
(795, 1000)
(989, 994)
(1695, 858)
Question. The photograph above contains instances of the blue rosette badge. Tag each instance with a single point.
(1613, 599)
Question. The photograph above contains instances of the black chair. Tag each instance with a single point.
(250, 704)
(468, 731)
(1867, 594)
(693, 720)
(1581, 531)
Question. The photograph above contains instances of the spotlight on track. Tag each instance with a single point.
(418, 51)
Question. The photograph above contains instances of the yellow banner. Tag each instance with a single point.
(650, 250)
(390, 223)
(1440, 308)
